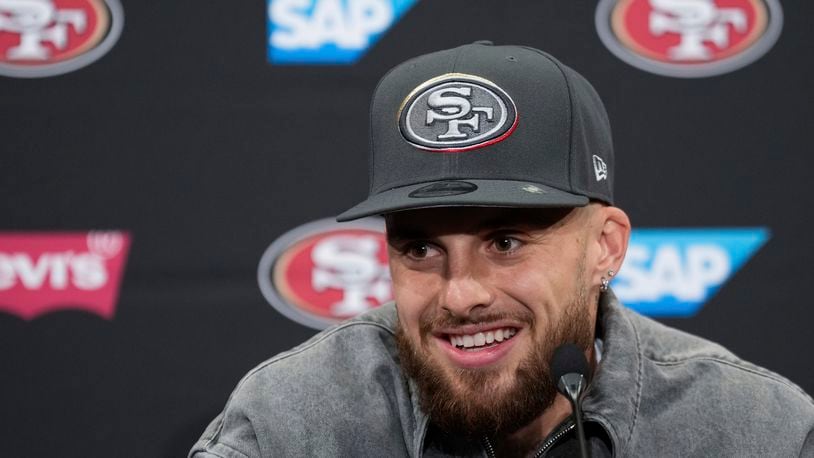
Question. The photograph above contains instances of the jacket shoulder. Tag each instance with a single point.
(343, 383)
(717, 400)
(668, 347)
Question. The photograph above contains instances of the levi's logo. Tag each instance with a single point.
(47, 272)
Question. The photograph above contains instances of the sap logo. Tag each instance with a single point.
(673, 272)
(328, 31)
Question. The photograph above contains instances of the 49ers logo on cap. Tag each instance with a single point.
(457, 112)
(50, 37)
(324, 272)
(689, 38)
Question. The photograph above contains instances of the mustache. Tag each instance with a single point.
(432, 320)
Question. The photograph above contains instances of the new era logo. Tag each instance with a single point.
(600, 168)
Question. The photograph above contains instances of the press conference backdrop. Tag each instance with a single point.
(170, 171)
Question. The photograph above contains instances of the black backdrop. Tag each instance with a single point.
(185, 136)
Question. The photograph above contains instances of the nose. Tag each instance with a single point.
(464, 293)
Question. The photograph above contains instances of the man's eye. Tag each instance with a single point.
(505, 244)
(420, 250)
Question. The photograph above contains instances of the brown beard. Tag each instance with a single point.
(472, 405)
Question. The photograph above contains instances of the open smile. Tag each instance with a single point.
(477, 349)
(481, 339)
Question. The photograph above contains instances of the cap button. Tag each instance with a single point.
(484, 42)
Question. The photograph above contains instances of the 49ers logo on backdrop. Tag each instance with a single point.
(47, 272)
(689, 38)
(50, 37)
(324, 272)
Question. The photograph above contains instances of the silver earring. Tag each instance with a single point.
(604, 286)
(611, 273)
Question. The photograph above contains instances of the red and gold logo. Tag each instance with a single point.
(50, 37)
(689, 38)
(324, 272)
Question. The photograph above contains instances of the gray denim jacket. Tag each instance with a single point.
(657, 392)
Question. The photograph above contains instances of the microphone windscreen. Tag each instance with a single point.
(568, 359)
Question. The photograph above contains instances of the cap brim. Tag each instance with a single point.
(488, 193)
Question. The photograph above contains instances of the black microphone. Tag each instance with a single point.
(569, 369)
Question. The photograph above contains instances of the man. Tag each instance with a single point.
(493, 168)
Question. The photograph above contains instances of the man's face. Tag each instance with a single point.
(484, 297)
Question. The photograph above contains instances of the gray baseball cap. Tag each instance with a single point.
(483, 125)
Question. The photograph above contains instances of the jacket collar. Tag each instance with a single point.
(614, 395)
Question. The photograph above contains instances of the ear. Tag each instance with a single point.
(613, 241)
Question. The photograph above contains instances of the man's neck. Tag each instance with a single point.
(526, 440)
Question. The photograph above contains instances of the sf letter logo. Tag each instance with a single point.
(321, 273)
(455, 111)
(689, 38)
(349, 264)
(697, 22)
(38, 23)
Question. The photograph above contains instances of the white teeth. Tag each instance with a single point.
(469, 341)
(480, 339)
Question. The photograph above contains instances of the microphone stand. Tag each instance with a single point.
(572, 385)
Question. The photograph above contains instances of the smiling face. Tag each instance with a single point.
(484, 297)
